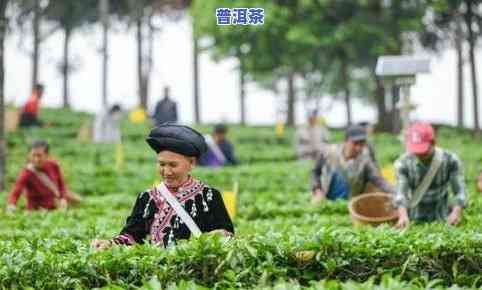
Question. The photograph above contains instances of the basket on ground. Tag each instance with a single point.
(372, 209)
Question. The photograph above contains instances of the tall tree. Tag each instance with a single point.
(459, 48)
(389, 21)
(143, 73)
(140, 14)
(242, 91)
(66, 67)
(30, 14)
(472, 20)
(69, 16)
(274, 64)
(445, 27)
(104, 16)
(449, 15)
(346, 81)
(3, 145)
(348, 36)
(36, 42)
(291, 117)
(195, 76)
(195, 69)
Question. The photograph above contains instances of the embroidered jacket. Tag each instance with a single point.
(153, 216)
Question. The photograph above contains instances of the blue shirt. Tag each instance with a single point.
(339, 187)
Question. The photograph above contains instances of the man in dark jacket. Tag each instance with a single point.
(166, 110)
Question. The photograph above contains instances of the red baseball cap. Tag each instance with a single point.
(420, 137)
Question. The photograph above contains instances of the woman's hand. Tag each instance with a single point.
(224, 233)
(318, 196)
(100, 245)
(11, 208)
(403, 220)
(455, 216)
(63, 204)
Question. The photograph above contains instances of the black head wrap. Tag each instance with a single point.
(177, 138)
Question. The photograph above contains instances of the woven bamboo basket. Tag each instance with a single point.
(372, 209)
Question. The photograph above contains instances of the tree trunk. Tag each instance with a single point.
(36, 43)
(195, 64)
(346, 88)
(381, 106)
(242, 93)
(290, 121)
(380, 92)
(3, 145)
(104, 12)
(139, 62)
(469, 20)
(66, 67)
(140, 65)
(149, 63)
(395, 120)
(460, 73)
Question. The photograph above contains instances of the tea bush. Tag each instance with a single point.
(274, 224)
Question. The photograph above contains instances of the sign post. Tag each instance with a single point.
(402, 70)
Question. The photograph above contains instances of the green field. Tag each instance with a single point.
(50, 250)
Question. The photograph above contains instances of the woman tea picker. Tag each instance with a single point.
(181, 205)
(42, 181)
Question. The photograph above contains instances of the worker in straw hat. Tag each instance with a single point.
(343, 170)
(424, 175)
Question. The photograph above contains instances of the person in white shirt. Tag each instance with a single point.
(311, 138)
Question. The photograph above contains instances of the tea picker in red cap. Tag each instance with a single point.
(424, 174)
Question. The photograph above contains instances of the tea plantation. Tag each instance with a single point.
(275, 224)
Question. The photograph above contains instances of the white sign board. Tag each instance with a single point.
(401, 66)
